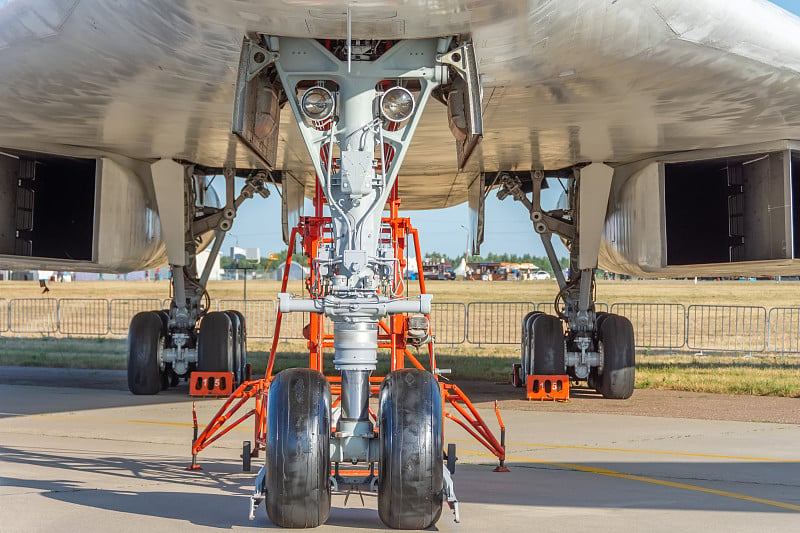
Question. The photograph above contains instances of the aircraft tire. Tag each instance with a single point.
(145, 334)
(525, 345)
(411, 444)
(215, 343)
(617, 379)
(239, 345)
(298, 449)
(547, 346)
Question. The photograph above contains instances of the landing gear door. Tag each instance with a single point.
(476, 212)
(464, 102)
(291, 205)
(256, 110)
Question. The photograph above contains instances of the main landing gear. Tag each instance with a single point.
(577, 342)
(169, 345)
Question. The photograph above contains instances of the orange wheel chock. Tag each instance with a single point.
(211, 384)
(552, 388)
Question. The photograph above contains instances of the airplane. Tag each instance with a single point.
(672, 125)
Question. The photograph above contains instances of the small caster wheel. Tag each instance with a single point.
(451, 458)
(246, 456)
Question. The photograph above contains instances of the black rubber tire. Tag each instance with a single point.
(144, 336)
(215, 343)
(525, 344)
(547, 346)
(411, 469)
(239, 345)
(298, 449)
(619, 370)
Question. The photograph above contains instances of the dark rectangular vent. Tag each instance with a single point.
(729, 210)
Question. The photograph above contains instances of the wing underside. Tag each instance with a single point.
(564, 82)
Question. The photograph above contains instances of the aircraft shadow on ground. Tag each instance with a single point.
(217, 495)
(80, 390)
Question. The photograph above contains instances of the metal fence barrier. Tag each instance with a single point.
(448, 322)
(726, 328)
(292, 325)
(655, 325)
(83, 316)
(784, 330)
(121, 311)
(720, 328)
(33, 315)
(3, 314)
(259, 316)
(496, 322)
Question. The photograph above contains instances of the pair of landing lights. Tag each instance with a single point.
(396, 104)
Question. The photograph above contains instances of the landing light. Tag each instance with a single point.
(397, 104)
(317, 103)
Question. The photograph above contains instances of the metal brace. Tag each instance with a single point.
(223, 219)
(449, 494)
(461, 59)
(543, 221)
(259, 493)
(259, 58)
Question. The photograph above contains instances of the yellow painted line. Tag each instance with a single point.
(128, 421)
(522, 444)
(652, 481)
(632, 450)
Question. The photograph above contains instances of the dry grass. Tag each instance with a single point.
(761, 293)
(758, 376)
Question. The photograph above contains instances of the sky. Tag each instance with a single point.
(508, 228)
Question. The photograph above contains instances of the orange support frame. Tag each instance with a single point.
(392, 335)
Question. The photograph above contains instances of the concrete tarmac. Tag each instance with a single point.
(99, 459)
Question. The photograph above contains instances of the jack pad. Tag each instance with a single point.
(548, 388)
(211, 384)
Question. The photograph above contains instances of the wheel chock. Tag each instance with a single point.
(516, 376)
(211, 384)
(548, 388)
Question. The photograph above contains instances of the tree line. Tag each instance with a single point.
(271, 265)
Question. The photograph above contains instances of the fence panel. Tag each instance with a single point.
(33, 315)
(448, 322)
(292, 325)
(726, 328)
(549, 308)
(259, 316)
(121, 312)
(496, 322)
(83, 316)
(784, 330)
(3, 314)
(655, 325)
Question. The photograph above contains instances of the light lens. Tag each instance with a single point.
(397, 104)
(317, 103)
